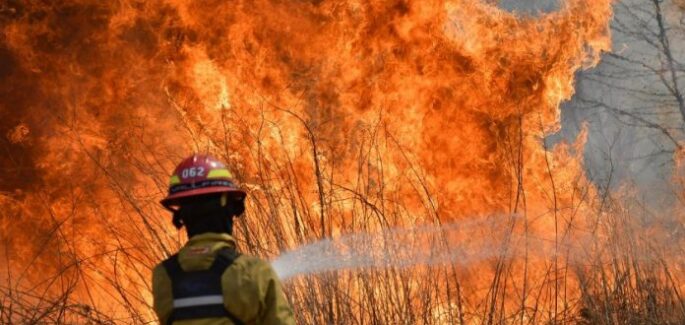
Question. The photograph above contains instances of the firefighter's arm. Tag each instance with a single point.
(162, 295)
(275, 308)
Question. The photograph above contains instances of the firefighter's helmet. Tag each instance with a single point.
(200, 175)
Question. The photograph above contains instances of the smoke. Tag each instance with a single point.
(531, 7)
(630, 109)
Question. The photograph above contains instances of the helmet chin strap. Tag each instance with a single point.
(223, 200)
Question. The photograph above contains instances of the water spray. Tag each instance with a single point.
(430, 245)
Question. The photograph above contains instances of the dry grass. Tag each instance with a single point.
(622, 271)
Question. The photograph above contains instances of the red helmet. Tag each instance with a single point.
(200, 175)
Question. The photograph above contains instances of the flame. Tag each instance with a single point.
(337, 116)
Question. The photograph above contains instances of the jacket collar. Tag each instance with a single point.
(211, 237)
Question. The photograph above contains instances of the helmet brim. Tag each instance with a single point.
(170, 201)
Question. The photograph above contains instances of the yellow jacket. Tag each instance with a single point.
(251, 289)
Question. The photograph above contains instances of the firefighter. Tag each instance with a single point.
(208, 281)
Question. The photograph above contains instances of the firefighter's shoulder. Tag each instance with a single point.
(245, 285)
(162, 293)
(250, 268)
(160, 277)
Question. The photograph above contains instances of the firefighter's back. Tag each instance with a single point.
(209, 283)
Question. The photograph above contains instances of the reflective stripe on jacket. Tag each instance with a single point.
(251, 289)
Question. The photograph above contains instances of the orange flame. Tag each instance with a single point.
(337, 116)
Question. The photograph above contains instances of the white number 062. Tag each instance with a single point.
(193, 172)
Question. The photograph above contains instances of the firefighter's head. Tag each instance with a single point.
(203, 196)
